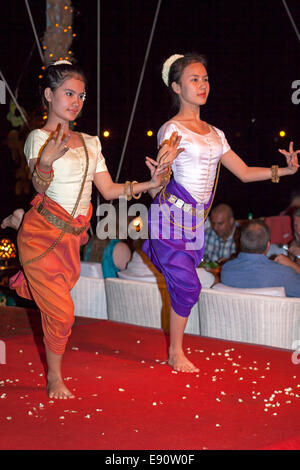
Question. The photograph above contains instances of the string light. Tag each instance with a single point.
(149, 133)
(137, 224)
(58, 35)
(7, 249)
(282, 133)
(106, 134)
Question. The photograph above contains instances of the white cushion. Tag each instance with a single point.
(276, 291)
(205, 277)
(91, 269)
(141, 269)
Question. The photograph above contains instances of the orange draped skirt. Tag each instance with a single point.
(48, 281)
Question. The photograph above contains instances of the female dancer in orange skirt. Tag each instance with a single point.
(64, 166)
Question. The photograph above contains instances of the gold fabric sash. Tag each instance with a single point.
(59, 223)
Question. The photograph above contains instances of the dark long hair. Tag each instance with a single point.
(55, 75)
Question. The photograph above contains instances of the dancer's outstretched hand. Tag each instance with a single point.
(158, 171)
(291, 158)
(54, 148)
(169, 149)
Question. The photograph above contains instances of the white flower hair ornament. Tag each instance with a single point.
(58, 62)
(167, 66)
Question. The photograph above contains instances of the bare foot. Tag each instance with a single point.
(180, 363)
(14, 220)
(57, 389)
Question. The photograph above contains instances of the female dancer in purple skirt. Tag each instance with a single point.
(176, 216)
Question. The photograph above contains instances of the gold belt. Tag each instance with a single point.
(59, 223)
(184, 205)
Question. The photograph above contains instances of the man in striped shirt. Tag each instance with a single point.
(221, 239)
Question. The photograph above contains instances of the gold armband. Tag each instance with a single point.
(131, 189)
(274, 174)
(125, 192)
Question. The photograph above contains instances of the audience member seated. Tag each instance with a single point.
(294, 247)
(292, 255)
(222, 238)
(289, 253)
(112, 254)
(252, 269)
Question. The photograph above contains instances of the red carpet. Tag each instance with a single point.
(245, 396)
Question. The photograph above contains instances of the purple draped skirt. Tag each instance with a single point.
(176, 244)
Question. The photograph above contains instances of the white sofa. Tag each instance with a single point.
(250, 318)
(144, 304)
(246, 317)
(259, 319)
(89, 294)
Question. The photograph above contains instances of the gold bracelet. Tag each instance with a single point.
(131, 189)
(125, 191)
(43, 172)
(42, 179)
(274, 174)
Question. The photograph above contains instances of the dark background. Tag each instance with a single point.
(253, 58)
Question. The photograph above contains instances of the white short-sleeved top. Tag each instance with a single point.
(69, 170)
(195, 167)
